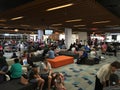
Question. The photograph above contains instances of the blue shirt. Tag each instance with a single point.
(51, 54)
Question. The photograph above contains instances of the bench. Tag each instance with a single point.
(61, 61)
(16, 85)
(69, 53)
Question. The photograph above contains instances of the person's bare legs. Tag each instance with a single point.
(40, 83)
(49, 82)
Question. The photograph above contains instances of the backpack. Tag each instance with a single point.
(114, 79)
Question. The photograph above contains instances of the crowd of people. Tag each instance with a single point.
(44, 76)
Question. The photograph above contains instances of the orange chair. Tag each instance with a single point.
(61, 61)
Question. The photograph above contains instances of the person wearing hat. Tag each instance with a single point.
(34, 77)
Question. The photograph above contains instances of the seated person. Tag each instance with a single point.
(14, 55)
(3, 67)
(94, 56)
(51, 53)
(45, 71)
(59, 82)
(34, 77)
(83, 56)
(15, 70)
(87, 48)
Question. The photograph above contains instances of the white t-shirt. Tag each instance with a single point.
(43, 66)
(104, 73)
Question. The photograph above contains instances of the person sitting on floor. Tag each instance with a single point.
(59, 81)
(16, 70)
(83, 56)
(51, 53)
(14, 55)
(45, 71)
(3, 67)
(94, 56)
(34, 77)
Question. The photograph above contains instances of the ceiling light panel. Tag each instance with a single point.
(16, 18)
(98, 22)
(74, 20)
(56, 24)
(59, 7)
(79, 25)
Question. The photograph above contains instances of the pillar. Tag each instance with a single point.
(40, 35)
(83, 37)
(68, 37)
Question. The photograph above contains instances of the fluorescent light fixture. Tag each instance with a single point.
(59, 7)
(74, 20)
(79, 25)
(16, 18)
(2, 20)
(56, 24)
(100, 22)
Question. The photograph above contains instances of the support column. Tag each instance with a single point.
(68, 37)
(83, 37)
(40, 35)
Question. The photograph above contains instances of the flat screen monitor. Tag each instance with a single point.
(114, 37)
(48, 32)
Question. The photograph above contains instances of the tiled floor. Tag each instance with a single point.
(82, 77)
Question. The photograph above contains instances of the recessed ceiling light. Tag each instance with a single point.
(100, 22)
(79, 25)
(74, 20)
(16, 18)
(16, 30)
(56, 24)
(59, 7)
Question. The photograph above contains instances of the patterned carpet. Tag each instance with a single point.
(82, 77)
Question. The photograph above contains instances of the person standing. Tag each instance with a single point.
(103, 75)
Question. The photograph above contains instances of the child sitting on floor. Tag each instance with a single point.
(59, 81)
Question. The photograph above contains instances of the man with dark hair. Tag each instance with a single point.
(104, 73)
(16, 70)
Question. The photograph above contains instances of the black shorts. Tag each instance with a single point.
(44, 76)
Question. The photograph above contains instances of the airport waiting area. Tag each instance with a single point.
(59, 44)
(77, 65)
